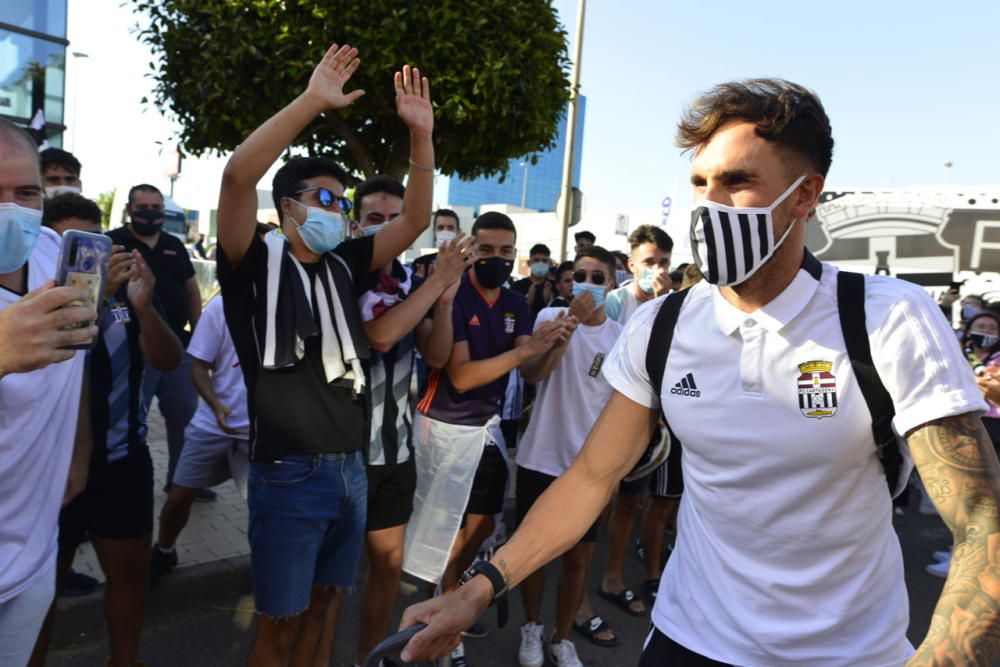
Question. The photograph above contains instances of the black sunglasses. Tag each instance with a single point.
(327, 199)
(580, 276)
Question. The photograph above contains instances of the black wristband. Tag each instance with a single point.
(498, 582)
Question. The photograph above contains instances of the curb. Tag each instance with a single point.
(219, 583)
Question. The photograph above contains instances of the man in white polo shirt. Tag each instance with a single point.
(786, 553)
(40, 387)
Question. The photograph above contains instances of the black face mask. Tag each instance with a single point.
(983, 341)
(492, 271)
(147, 223)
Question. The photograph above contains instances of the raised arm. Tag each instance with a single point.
(435, 338)
(159, 343)
(237, 214)
(959, 468)
(413, 104)
(387, 329)
(555, 523)
(540, 367)
(466, 374)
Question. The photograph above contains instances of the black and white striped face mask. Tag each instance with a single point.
(730, 244)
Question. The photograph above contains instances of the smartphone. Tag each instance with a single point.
(83, 262)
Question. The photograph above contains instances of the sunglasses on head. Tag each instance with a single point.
(327, 199)
(597, 276)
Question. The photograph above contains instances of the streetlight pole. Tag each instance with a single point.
(566, 200)
(947, 172)
(524, 183)
(77, 56)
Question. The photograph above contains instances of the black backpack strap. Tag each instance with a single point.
(660, 338)
(851, 306)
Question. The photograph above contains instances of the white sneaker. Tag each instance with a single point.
(563, 654)
(458, 657)
(943, 555)
(531, 654)
(939, 569)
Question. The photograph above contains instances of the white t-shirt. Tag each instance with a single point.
(622, 303)
(38, 414)
(212, 344)
(570, 399)
(786, 553)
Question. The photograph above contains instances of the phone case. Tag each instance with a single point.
(83, 263)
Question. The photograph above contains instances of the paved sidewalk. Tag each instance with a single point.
(216, 530)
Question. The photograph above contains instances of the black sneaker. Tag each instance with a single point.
(205, 496)
(161, 563)
(77, 585)
(476, 631)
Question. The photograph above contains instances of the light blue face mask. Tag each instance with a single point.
(322, 230)
(372, 230)
(597, 291)
(646, 281)
(540, 269)
(19, 227)
(622, 277)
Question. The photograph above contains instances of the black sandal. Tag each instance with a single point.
(594, 626)
(623, 600)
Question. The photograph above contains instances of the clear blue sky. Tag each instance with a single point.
(907, 85)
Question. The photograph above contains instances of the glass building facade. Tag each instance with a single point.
(33, 62)
(538, 185)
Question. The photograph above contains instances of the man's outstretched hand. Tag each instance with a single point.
(413, 100)
(326, 85)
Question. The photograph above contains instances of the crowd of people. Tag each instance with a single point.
(367, 407)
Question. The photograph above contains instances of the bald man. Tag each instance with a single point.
(40, 395)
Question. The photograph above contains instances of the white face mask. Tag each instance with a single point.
(53, 190)
(730, 244)
(445, 236)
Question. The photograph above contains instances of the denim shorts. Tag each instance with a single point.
(307, 526)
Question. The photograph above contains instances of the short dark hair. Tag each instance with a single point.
(540, 249)
(142, 187)
(650, 234)
(375, 185)
(61, 158)
(562, 268)
(494, 220)
(585, 235)
(290, 178)
(600, 254)
(783, 112)
(447, 212)
(70, 205)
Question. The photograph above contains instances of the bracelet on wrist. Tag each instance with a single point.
(422, 167)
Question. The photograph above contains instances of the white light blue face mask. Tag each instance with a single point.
(540, 269)
(322, 230)
(19, 227)
(597, 291)
(445, 236)
(730, 243)
(621, 277)
(372, 230)
(646, 281)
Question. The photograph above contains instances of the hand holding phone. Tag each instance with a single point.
(33, 331)
(83, 263)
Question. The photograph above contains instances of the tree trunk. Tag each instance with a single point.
(355, 145)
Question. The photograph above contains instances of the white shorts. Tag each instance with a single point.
(209, 459)
(21, 619)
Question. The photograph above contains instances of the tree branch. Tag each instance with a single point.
(357, 148)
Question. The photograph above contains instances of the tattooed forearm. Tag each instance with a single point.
(959, 468)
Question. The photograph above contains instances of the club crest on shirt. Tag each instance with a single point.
(508, 323)
(817, 389)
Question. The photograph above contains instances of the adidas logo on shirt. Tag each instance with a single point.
(686, 387)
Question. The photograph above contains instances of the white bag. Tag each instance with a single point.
(446, 457)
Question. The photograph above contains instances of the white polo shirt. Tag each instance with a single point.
(38, 413)
(786, 553)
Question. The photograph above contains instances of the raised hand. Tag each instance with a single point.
(582, 306)
(140, 285)
(454, 258)
(120, 268)
(326, 85)
(413, 100)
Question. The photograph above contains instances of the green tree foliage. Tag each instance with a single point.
(497, 71)
(104, 202)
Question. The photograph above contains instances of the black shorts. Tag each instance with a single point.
(116, 505)
(530, 485)
(666, 481)
(489, 484)
(662, 651)
(390, 494)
